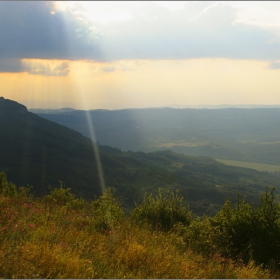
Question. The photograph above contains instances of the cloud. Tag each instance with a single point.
(38, 68)
(148, 30)
(274, 65)
(109, 69)
(62, 67)
(12, 65)
(36, 29)
(15, 65)
(198, 30)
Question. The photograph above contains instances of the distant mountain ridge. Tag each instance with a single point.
(50, 111)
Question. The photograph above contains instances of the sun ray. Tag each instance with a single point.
(80, 92)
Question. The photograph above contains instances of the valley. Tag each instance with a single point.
(250, 135)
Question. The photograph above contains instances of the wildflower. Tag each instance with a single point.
(31, 226)
(53, 229)
(217, 256)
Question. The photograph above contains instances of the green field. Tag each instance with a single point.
(253, 165)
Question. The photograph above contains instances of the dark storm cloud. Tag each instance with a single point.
(32, 30)
(12, 65)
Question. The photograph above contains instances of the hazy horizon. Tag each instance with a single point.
(199, 106)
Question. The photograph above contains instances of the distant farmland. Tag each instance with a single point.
(253, 165)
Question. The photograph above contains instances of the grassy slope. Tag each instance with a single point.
(62, 237)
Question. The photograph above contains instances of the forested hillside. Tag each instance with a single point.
(42, 153)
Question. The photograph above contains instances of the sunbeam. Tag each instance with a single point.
(80, 92)
(95, 147)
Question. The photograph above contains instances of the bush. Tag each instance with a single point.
(266, 244)
(163, 211)
(59, 196)
(200, 236)
(250, 233)
(63, 197)
(107, 211)
(6, 188)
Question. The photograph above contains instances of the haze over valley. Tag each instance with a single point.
(249, 135)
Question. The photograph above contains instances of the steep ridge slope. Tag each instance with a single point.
(39, 152)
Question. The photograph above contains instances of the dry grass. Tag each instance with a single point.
(43, 240)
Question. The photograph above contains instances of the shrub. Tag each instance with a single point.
(107, 211)
(266, 243)
(163, 211)
(63, 197)
(250, 233)
(25, 193)
(6, 188)
(60, 196)
(200, 236)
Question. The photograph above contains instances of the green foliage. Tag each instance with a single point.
(200, 236)
(250, 233)
(163, 211)
(25, 193)
(10, 189)
(6, 188)
(267, 239)
(107, 211)
(63, 197)
(60, 196)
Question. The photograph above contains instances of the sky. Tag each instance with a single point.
(114, 55)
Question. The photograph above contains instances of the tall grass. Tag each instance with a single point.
(61, 236)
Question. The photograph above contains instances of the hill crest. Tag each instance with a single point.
(10, 105)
